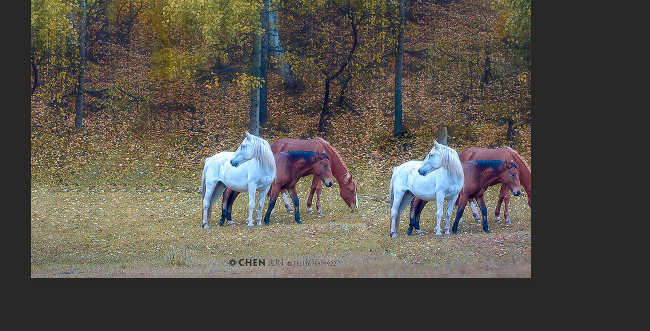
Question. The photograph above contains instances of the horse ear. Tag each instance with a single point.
(247, 134)
(435, 143)
(325, 155)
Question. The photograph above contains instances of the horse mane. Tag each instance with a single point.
(262, 151)
(305, 155)
(518, 157)
(347, 177)
(450, 160)
(494, 164)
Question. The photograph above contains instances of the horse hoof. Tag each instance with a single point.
(393, 235)
(231, 223)
(266, 222)
(221, 222)
(320, 213)
(409, 231)
(205, 225)
(298, 221)
(419, 232)
(310, 210)
(486, 230)
(438, 234)
(498, 219)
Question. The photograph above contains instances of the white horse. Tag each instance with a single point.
(439, 177)
(250, 168)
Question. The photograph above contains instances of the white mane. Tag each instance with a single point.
(451, 161)
(262, 151)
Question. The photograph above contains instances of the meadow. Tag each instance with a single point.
(152, 229)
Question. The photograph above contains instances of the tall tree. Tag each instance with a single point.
(275, 47)
(82, 64)
(325, 112)
(264, 63)
(254, 123)
(397, 128)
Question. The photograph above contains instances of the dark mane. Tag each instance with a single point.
(494, 164)
(305, 155)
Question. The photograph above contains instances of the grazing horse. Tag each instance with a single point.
(503, 153)
(250, 168)
(347, 185)
(291, 166)
(439, 177)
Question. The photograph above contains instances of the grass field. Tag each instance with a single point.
(123, 229)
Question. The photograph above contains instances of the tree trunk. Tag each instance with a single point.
(34, 73)
(264, 63)
(288, 77)
(441, 136)
(325, 113)
(397, 128)
(82, 64)
(254, 123)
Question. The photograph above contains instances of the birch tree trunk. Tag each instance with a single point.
(275, 47)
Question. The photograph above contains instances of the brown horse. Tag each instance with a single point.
(347, 185)
(503, 153)
(479, 175)
(290, 166)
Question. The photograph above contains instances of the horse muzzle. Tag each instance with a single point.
(234, 163)
(422, 172)
(516, 193)
(328, 184)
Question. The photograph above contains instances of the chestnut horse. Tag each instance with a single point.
(503, 153)
(290, 166)
(479, 175)
(347, 185)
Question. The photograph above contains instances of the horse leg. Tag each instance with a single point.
(477, 217)
(502, 195)
(505, 197)
(319, 188)
(407, 196)
(226, 206)
(233, 196)
(212, 193)
(450, 209)
(481, 202)
(462, 202)
(311, 194)
(272, 199)
(394, 213)
(294, 195)
(287, 202)
(440, 200)
(260, 204)
(251, 204)
(416, 210)
(207, 205)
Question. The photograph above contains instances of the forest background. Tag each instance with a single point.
(160, 85)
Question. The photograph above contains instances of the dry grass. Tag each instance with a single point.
(154, 231)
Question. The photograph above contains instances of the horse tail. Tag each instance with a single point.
(391, 194)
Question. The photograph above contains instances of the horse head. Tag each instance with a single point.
(510, 177)
(433, 160)
(244, 152)
(322, 168)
